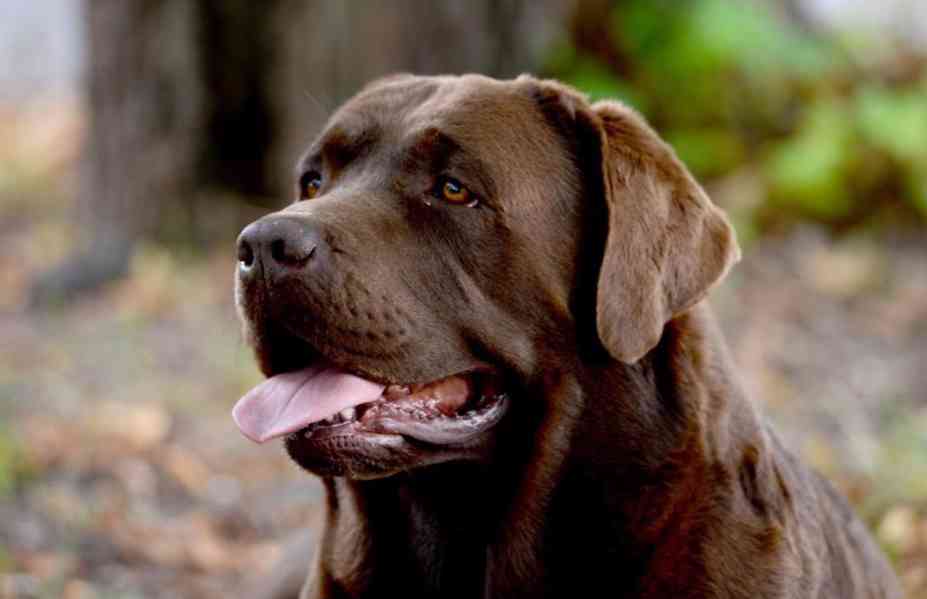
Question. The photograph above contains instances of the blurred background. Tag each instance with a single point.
(138, 136)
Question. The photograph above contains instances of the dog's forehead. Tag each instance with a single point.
(476, 111)
(409, 102)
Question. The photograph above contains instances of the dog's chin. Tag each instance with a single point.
(411, 424)
(372, 456)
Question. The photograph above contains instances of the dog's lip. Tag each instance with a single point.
(446, 430)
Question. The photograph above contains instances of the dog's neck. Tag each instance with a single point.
(464, 529)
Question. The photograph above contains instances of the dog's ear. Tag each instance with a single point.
(667, 244)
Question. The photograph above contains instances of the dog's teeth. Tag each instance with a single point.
(347, 414)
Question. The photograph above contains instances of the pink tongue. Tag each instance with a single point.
(288, 402)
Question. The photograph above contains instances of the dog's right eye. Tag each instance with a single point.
(309, 185)
(453, 191)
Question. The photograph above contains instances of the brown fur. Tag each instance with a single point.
(631, 464)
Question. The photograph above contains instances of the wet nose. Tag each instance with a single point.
(276, 244)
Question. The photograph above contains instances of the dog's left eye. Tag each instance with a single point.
(453, 191)
(309, 185)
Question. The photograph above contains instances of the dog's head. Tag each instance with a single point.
(453, 239)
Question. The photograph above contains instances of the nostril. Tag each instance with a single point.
(245, 253)
(278, 251)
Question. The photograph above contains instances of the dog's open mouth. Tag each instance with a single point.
(324, 400)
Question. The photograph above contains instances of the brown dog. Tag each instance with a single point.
(484, 327)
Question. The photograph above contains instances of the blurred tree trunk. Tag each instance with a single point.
(194, 102)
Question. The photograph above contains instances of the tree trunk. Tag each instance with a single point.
(144, 92)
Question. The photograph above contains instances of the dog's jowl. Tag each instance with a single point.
(483, 323)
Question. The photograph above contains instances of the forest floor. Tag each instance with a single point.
(122, 474)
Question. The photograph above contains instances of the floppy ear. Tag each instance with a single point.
(667, 244)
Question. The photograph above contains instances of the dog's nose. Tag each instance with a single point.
(275, 244)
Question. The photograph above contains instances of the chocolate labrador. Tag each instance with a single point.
(483, 323)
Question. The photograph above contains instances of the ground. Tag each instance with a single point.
(122, 474)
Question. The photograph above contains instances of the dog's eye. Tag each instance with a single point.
(309, 185)
(453, 191)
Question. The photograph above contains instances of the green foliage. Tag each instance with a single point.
(6, 560)
(14, 468)
(735, 88)
(895, 123)
(807, 171)
(708, 151)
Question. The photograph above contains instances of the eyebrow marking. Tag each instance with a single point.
(434, 147)
(340, 145)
